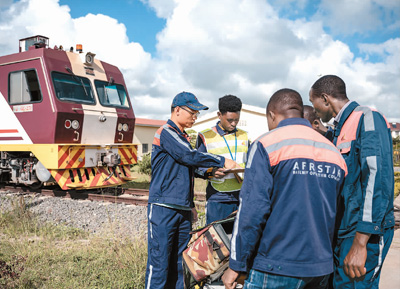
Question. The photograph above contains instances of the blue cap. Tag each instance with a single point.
(188, 99)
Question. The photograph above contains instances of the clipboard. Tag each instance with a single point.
(234, 171)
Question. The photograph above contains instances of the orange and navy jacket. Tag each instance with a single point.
(287, 210)
(363, 137)
(173, 161)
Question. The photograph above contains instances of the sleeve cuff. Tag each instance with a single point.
(237, 266)
(222, 162)
(369, 228)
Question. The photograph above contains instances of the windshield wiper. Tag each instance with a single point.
(78, 79)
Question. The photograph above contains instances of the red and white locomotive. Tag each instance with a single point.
(65, 116)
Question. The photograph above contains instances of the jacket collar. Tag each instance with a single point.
(221, 131)
(344, 115)
(294, 121)
(339, 115)
(174, 126)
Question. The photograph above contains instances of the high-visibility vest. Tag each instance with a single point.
(216, 144)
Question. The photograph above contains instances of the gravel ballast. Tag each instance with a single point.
(91, 216)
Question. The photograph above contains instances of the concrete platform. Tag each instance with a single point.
(390, 275)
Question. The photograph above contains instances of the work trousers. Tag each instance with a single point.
(377, 249)
(168, 236)
(261, 280)
(217, 211)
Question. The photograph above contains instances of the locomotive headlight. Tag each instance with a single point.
(75, 124)
(67, 123)
(119, 127)
(89, 58)
(125, 127)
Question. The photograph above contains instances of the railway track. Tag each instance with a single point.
(129, 196)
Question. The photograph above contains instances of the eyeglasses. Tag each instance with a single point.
(196, 114)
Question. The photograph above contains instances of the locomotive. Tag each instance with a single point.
(65, 118)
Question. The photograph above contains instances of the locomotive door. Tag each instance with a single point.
(29, 100)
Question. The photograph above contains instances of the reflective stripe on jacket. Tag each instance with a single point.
(172, 163)
(288, 201)
(238, 146)
(363, 137)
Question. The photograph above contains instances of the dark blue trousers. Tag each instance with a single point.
(217, 211)
(168, 236)
(377, 249)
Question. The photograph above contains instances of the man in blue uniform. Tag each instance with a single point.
(227, 140)
(311, 116)
(285, 223)
(171, 206)
(366, 220)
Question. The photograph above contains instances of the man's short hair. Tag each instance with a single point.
(284, 100)
(309, 113)
(332, 85)
(229, 103)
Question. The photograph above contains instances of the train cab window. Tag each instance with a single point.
(111, 94)
(70, 87)
(24, 87)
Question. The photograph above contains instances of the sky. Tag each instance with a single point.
(249, 48)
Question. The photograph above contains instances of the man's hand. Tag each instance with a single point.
(194, 215)
(229, 278)
(219, 173)
(354, 263)
(230, 164)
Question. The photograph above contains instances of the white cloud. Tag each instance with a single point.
(99, 34)
(5, 3)
(163, 8)
(347, 17)
(213, 48)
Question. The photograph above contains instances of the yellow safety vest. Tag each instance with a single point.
(216, 144)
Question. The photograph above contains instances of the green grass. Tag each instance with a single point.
(396, 184)
(33, 255)
(142, 181)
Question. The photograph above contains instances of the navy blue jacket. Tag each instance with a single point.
(363, 137)
(172, 163)
(286, 217)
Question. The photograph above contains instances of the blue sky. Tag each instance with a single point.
(141, 21)
(143, 24)
(249, 48)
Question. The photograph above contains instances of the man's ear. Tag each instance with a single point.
(271, 114)
(325, 98)
(315, 123)
(219, 114)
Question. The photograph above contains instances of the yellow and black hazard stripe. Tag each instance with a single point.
(71, 157)
(128, 154)
(91, 178)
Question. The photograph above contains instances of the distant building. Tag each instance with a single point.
(252, 119)
(395, 129)
(144, 134)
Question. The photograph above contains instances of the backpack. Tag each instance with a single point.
(207, 253)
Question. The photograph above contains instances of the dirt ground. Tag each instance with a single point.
(390, 276)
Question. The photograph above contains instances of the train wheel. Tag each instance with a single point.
(111, 191)
(36, 186)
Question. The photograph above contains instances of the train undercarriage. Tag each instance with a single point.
(69, 166)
